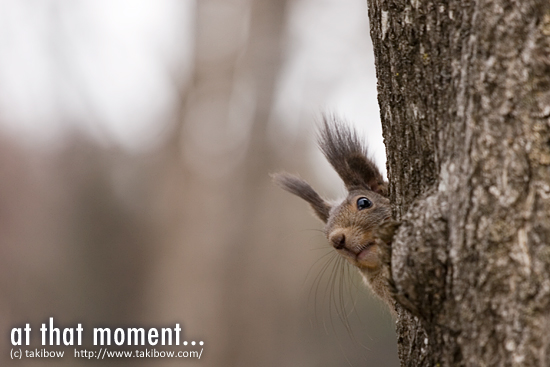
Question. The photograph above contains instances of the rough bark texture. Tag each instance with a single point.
(464, 93)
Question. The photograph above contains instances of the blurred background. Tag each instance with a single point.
(137, 139)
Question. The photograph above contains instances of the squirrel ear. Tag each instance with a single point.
(369, 174)
(349, 157)
(301, 188)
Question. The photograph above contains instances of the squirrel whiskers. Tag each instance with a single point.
(352, 226)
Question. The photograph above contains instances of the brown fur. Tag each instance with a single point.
(352, 231)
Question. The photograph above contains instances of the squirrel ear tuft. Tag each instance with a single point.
(369, 174)
(301, 188)
(349, 157)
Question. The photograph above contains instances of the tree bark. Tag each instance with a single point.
(464, 94)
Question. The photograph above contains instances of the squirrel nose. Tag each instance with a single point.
(338, 241)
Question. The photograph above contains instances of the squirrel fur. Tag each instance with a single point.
(352, 226)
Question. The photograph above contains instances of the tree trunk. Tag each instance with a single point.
(464, 94)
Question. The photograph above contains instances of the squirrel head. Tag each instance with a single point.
(351, 225)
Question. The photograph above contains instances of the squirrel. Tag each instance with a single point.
(352, 226)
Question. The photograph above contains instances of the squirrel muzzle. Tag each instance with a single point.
(359, 249)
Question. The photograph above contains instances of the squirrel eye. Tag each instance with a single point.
(363, 203)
